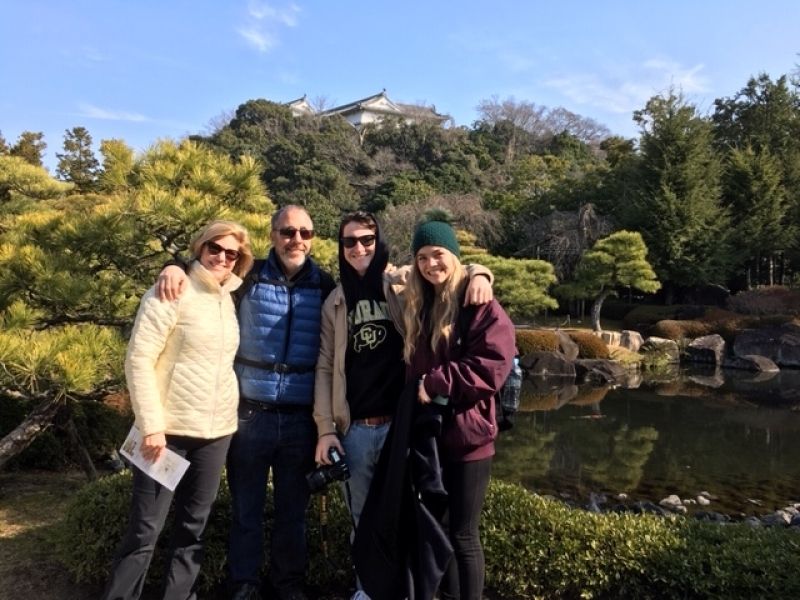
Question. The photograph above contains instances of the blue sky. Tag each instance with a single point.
(141, 70)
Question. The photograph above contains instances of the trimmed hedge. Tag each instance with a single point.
(766, 301)
(678, 330)
(536, 340)
(535, 548)
(589, 345)
(538, 548)
(96, 519)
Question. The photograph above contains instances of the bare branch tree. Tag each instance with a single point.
(468, 214)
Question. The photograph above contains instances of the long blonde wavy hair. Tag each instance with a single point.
(441, 308)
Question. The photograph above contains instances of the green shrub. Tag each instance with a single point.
(766, 301)
(589, 345)
(643, 316)
(678, 330)
(536, 340)
(539, 548)
(535, 548)
(96, 519)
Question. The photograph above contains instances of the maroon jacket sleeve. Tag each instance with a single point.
(476, 369)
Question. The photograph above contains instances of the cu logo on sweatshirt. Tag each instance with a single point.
(369, 336)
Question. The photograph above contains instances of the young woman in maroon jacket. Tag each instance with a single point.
(462, 367)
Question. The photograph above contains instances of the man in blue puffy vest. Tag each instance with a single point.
(279, 323)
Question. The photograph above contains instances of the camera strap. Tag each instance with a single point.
(323, 521)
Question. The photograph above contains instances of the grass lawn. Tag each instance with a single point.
(31, 503)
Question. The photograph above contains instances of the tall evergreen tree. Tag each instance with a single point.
(677, 201)
(758, 205)
(78, 163)
(4, 149)
(764, 117)
(30, 146)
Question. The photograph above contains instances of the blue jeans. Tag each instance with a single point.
(283, 442)
(362, 446)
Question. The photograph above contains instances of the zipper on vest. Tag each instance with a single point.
(281, 376)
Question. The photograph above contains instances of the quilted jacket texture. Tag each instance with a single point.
(280, 323)
(179, 364)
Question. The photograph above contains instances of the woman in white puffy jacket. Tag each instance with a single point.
(179, 370)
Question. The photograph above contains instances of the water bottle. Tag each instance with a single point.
(509, 395)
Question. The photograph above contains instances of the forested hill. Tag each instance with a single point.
(715, 196)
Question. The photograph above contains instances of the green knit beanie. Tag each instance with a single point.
(435, 232)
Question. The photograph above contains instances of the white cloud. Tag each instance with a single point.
(628, 90)
(261, 11)
(95, 112)
(261, 41)
(264, 22)
(690, 80)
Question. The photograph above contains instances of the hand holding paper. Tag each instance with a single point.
(167, 469)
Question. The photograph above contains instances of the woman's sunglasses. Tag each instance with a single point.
(364, 240)
(215, 249)
(290, 232)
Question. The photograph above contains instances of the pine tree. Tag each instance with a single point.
(30, 146)
(72, 270)
(619, 260)
(117, 165)
(78, 164)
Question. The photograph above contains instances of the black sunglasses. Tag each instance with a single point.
(214, 249)
(365, 240)
(290, 232)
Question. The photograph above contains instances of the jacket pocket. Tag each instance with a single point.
(468, 430)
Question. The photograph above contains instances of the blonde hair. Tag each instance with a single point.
(221, 228)
(441, 308)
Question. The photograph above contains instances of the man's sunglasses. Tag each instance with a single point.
(364, 240)
(215, 249)
(290, 232)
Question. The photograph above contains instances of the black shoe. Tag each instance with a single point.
(246, 591)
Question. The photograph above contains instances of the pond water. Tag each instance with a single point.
(734, 435)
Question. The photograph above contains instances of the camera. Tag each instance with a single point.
(320, 477)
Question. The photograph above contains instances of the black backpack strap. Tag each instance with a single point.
(466, 314)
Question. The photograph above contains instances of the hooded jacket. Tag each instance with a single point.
(468, 370)
(331, 411)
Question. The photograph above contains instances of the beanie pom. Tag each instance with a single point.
(436, 230)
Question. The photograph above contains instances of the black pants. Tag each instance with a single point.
(150, 504)
(466, 484)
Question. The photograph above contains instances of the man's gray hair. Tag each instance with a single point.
(278, 214)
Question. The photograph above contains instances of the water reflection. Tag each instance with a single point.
(735, 435)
